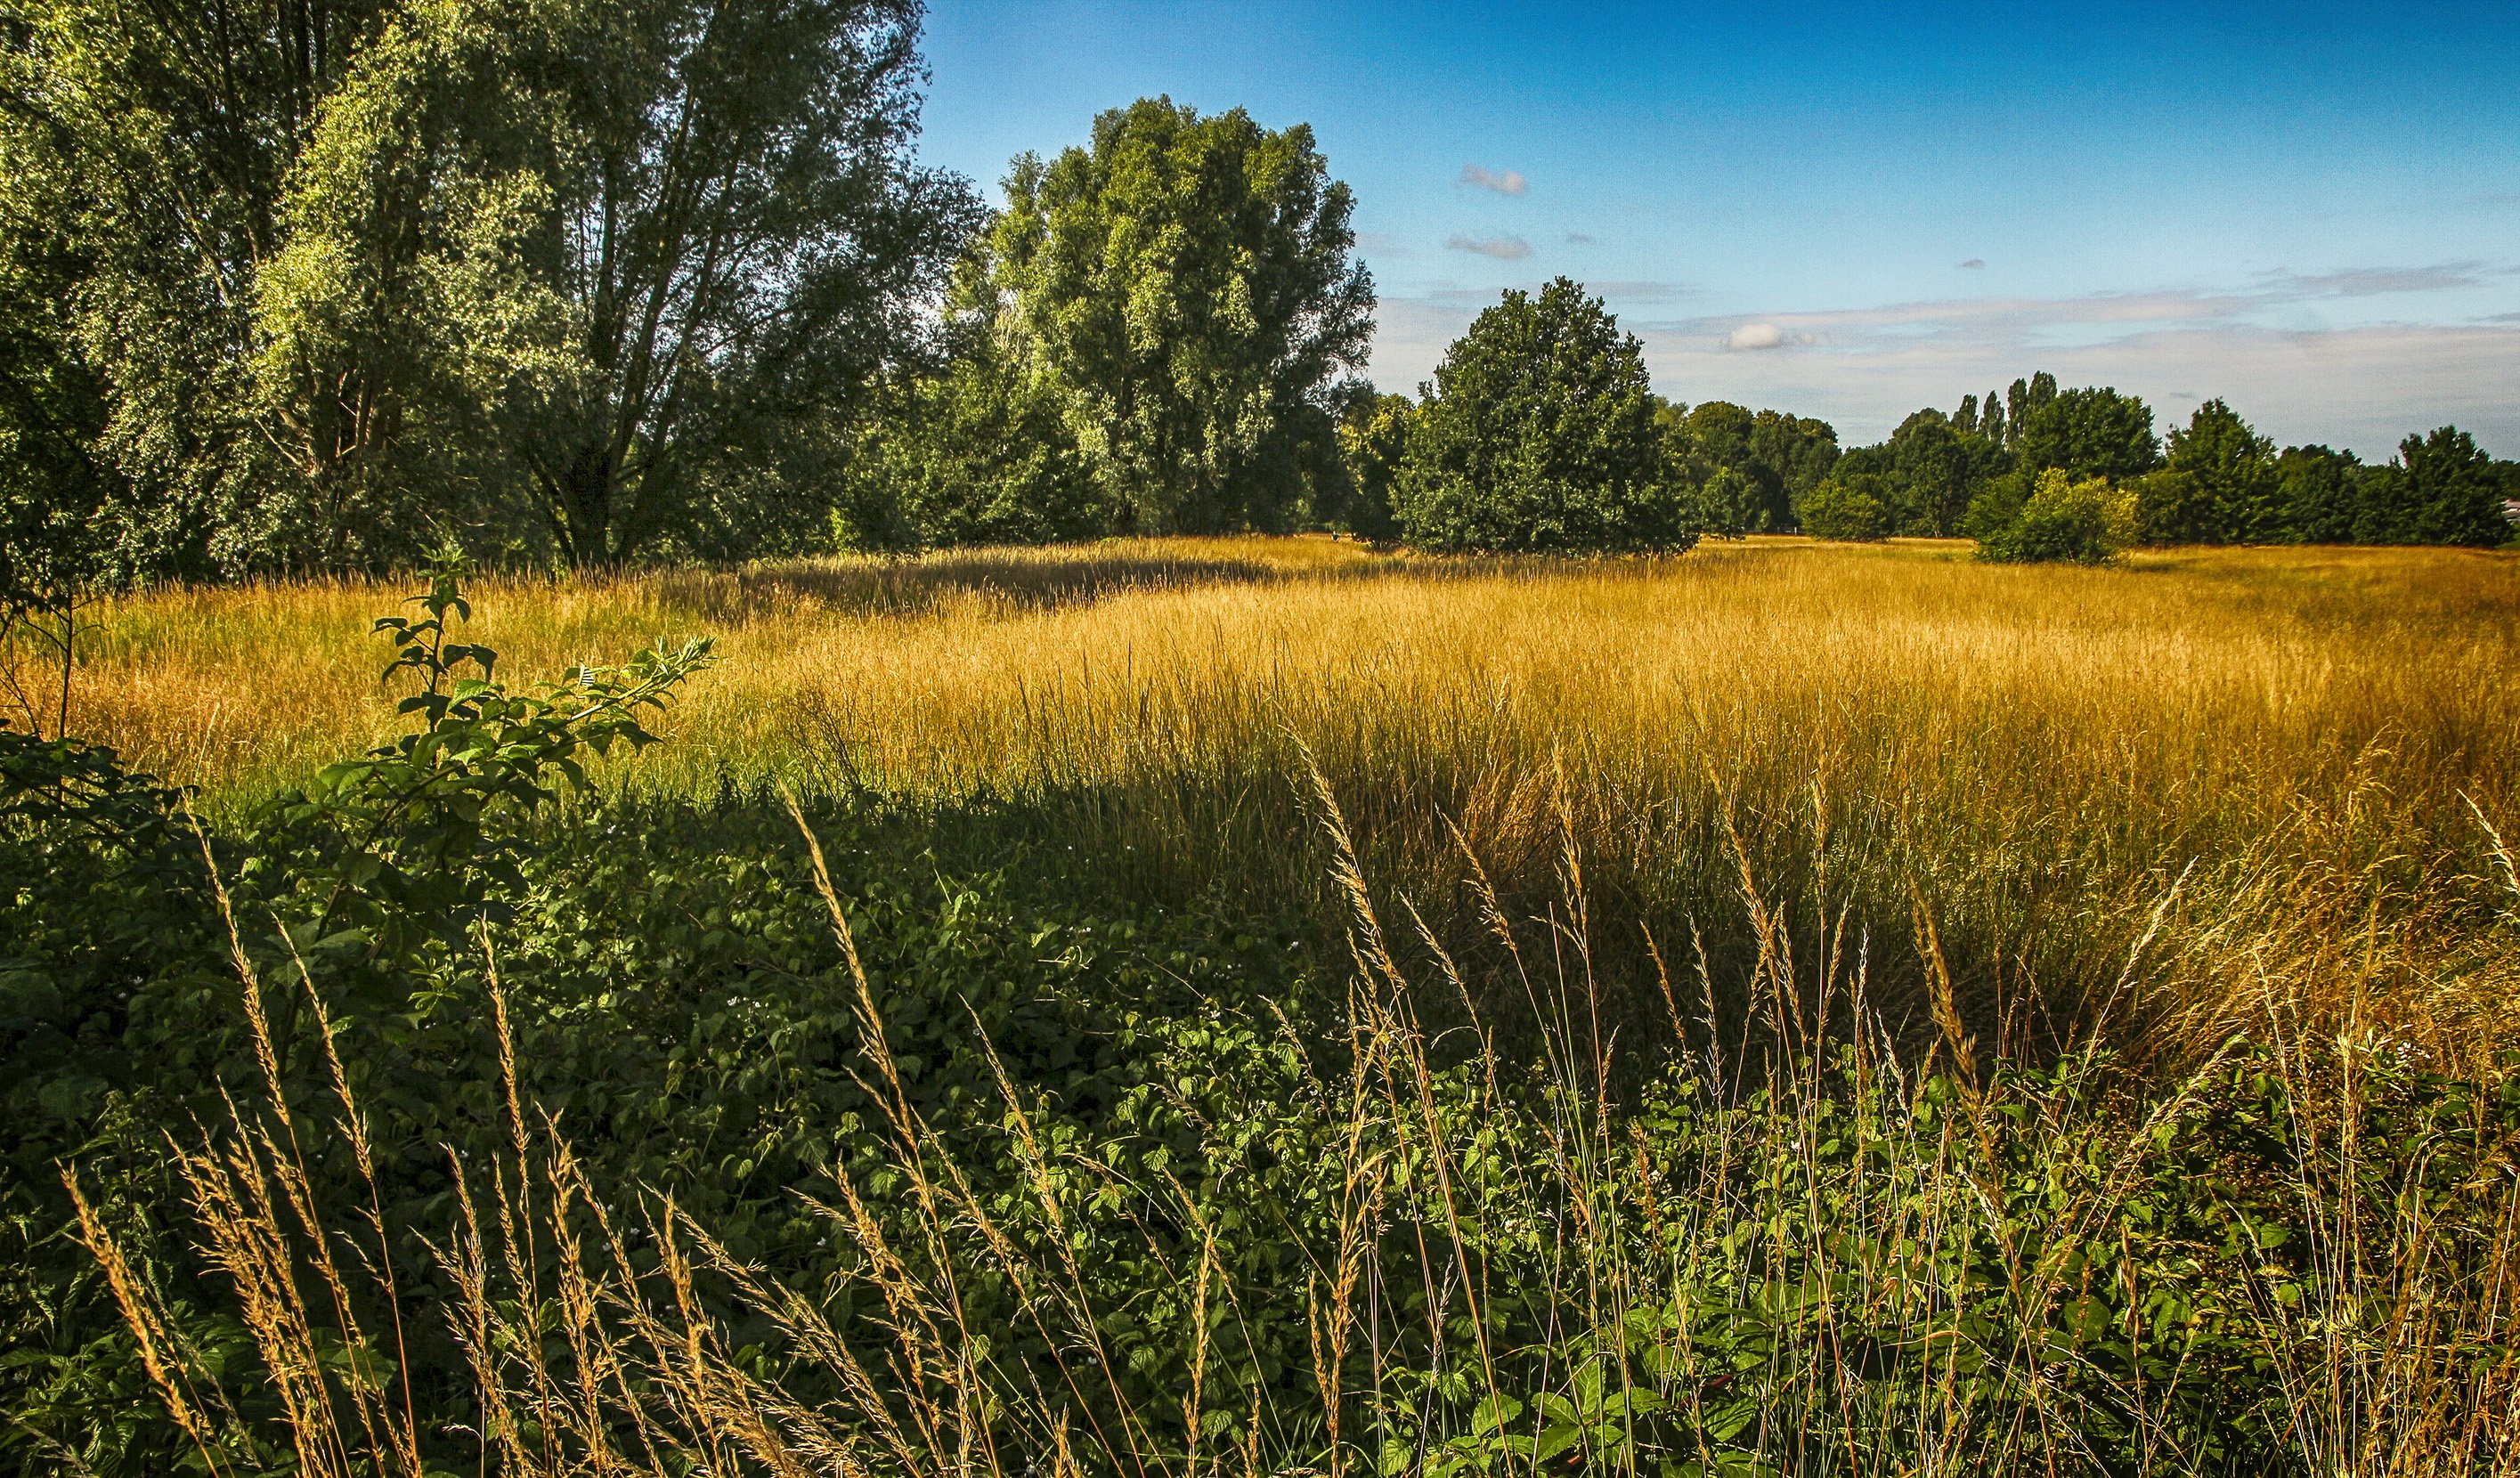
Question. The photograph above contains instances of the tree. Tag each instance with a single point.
(2026, 396)
(1991, 423)
(1749, 467)
(356, 274)
(1374, 438)
(1539, 437)
(1187, 284)
(2089, 432)
(150, 148)
(2233, 471)
(2451, 491)
(663, 242)
(2318, 492)
(973, 455)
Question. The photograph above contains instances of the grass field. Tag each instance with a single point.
(1930, 1017)
(2301, 752)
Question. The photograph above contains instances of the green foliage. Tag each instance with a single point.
(1373, 440)
(2446, 491)
(972, 455)
(2227, 494)
(1749, 468)
(2063, 521)
(351, 278)
(1539, 437)
(1183, 288)
(1836, 511)
(2319, 492)
(2087, 432)
(1926, 475)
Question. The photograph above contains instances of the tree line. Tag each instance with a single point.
(294, 286)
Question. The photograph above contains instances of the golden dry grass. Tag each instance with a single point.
(2315, 739)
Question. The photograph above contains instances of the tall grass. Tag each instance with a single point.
(2313, 745)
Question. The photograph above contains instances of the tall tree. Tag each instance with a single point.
(1539, 435)
(666, 239)
(2319, 492)
(1186, 283)
(2233, 472)
(152, 145)
(2451, 491)
(2087, 432)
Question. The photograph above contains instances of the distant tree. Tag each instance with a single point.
(1991, 422)
(1935, 472)
(2318, 492)
(1749, 468)
(2232, 469)
(2451, 491)
(1186, 284)
(1998, 505)
(2026, 396)
(1836, 511)
(1796, 452)
(1965, 420)
(1374, 437)
(2089, 432)
(1539, 435)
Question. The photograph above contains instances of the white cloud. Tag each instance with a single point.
(1505, 249)
(1755, 337)
(1502, 181)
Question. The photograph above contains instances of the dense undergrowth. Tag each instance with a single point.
(449, 1116)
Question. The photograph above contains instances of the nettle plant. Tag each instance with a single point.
(417, 838)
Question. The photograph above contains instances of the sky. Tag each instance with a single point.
(2312, 212)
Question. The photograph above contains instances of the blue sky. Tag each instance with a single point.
(1850, 212)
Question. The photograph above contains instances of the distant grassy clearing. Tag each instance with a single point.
(2040, 752)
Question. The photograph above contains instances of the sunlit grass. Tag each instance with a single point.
(2301, 750)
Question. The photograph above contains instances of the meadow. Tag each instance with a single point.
(1270, 1007)
(2306, 753)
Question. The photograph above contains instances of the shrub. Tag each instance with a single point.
(2086, 522)
(1835, 510)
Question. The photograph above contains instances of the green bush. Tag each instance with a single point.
(2084, 522)
(1835, 511)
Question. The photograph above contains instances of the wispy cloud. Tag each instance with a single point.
(1380, 244)
(1578, 237)
(1502, 181)
(1505, 249)
(2025, 320)
(1974, 264)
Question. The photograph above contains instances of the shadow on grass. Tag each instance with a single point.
(1026, 579)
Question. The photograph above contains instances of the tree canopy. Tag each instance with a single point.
(359, 277)
(1539, 437)
(1186, 285)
